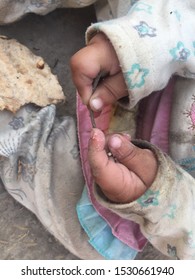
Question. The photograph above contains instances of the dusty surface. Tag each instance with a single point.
(55, 37)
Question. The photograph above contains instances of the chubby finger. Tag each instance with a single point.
(97, 154)
(84, 68)
(140, 161)
(98, 56)
(109, 90)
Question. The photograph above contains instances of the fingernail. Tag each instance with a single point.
(115, 142)
(96, 103)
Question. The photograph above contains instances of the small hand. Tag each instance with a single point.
(86, 64)
(128, 178)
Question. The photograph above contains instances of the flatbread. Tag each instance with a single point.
(25, 78)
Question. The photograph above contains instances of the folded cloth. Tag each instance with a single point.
(100, 233)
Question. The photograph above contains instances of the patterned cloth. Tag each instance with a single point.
(165, 212)
(100, 234)
(38, 150)
(12, 10)
(40, 167)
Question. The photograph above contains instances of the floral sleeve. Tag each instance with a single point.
(153, 42)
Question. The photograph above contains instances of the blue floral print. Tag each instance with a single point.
(171, 212)
(193, 43)
(140, 6)
(17, 123)
(136, 76)
(144, 29)
(180, 53)
(149, 198)
(177, 14)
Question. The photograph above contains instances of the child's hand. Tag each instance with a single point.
(128, 178)
(86, 64)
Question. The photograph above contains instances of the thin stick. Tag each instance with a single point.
(95, 84)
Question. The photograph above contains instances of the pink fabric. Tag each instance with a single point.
(125, 230)
(160, 130)
(146, 115)
(154, 117)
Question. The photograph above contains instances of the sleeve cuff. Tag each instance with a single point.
(147, 55)
(136, 57)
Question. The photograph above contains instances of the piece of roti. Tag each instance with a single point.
(25, 78)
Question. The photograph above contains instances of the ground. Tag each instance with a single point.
(55, 37)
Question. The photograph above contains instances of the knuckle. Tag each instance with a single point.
(127, 155)
(110, 90)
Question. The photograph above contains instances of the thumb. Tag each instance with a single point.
(97, 154)
(140, 161)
